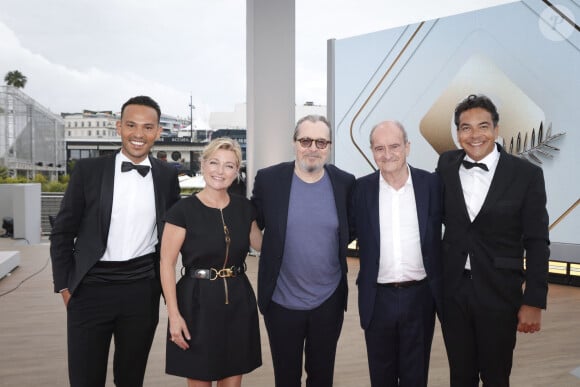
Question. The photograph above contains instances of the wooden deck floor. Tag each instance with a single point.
(33, 335)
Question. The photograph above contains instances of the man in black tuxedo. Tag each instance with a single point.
(105, 251)
(494, 214)
(397, 217)
(302, 290)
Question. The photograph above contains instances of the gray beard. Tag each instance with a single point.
(310, 168)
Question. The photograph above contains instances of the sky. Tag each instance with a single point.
(80, 54)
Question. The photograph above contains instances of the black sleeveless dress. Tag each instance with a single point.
(221, 314)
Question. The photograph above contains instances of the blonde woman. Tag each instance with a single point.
(213, 331)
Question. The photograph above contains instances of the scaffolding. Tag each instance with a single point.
(31, 137)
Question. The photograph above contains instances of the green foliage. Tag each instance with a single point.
(71, 164)
(15, 78)
(60, 185)
(64, 179)
(189, 191)
(39, 178)
(15, 180)
(46, 186)
(54, 186)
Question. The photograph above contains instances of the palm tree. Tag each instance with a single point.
(15, 78)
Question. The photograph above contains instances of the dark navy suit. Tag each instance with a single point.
(421, 300)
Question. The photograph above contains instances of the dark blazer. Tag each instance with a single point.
(81, 228)
(271, 196)
(513, 218)
(365, 216)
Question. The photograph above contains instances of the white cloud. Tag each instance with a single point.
(87, 55)
(94, 55)
(64, 89)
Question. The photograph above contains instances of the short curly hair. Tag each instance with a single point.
(476, 101)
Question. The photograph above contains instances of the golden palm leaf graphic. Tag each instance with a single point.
(534, 151)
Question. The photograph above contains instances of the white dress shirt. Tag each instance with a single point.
(400, 247)
(133, 229)
(475, 183)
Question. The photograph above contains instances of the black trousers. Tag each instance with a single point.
(313, 333)
(129, 312)
(399, 336)
(480, 341)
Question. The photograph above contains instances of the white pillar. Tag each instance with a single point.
(270, 95)
(21, 202)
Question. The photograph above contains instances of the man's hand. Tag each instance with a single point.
(65, 296)
(529, 319)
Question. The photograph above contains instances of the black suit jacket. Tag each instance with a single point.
(513, 219)
(365, 215)
(81, 228)
(271, 196)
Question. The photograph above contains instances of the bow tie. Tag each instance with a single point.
(142, 169)
(469, 165)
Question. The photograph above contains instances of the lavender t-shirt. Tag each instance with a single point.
(310, 270)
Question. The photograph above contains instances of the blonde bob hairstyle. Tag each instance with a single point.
(224, 143)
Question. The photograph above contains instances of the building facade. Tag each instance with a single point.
(31, 137)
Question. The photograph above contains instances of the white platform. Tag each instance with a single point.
(9, 260)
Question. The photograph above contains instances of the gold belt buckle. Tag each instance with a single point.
(214, 274)
(223, 273)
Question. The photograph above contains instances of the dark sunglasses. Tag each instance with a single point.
(307, 142)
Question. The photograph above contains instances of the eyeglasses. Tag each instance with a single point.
(306, 142)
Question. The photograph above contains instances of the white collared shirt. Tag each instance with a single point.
(400, 247)
(133, 229)
(475, 183)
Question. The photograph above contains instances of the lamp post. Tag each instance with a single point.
(191, 107)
